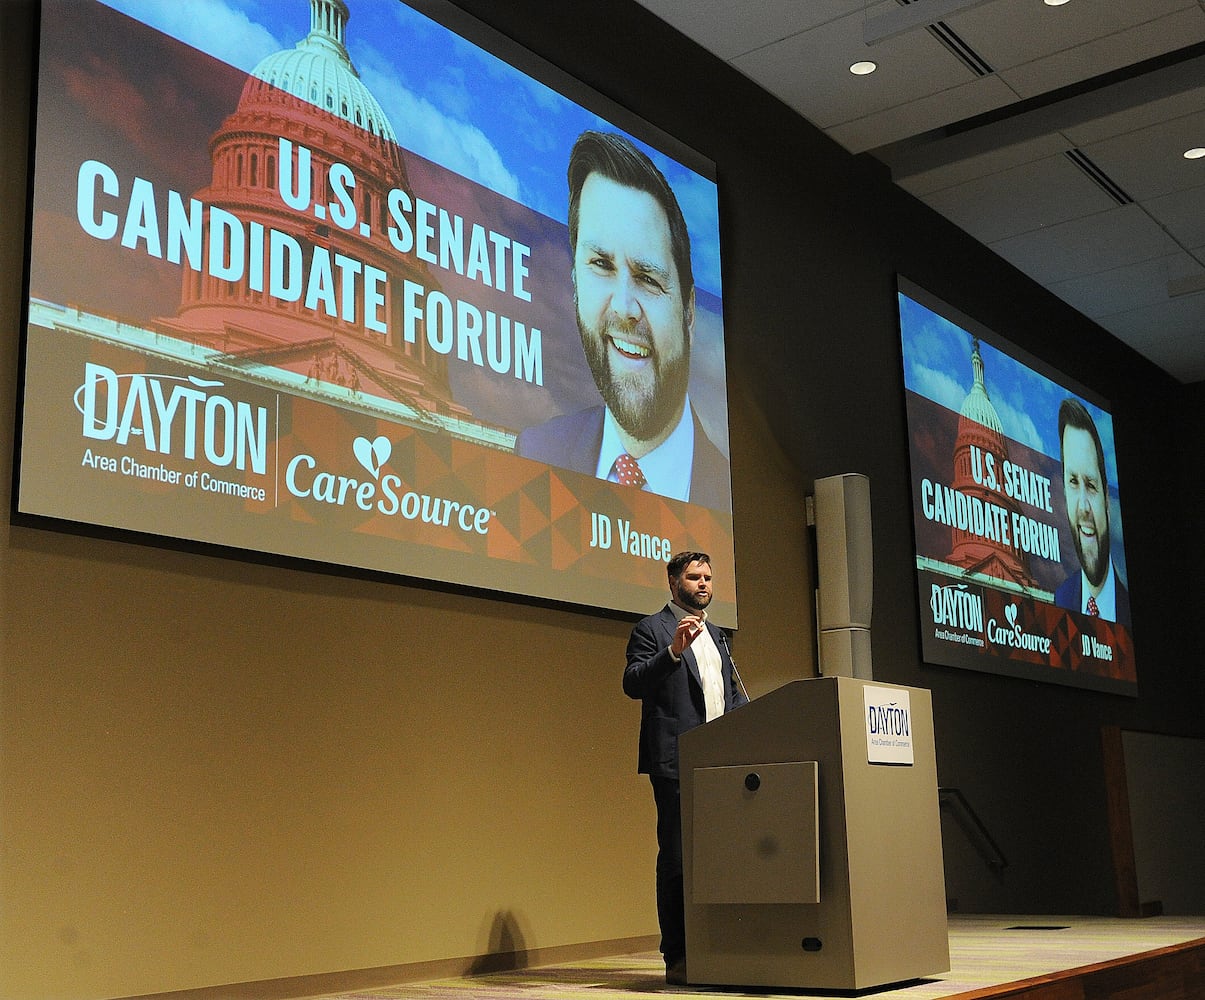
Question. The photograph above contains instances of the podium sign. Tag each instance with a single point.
(810, 863)
(888, 715)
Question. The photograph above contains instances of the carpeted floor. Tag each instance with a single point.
(985, 951)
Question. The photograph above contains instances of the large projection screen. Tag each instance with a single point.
(1020, 556)
(301, 283)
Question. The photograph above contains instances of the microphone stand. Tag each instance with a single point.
(735, 673)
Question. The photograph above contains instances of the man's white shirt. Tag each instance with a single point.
(666, 468)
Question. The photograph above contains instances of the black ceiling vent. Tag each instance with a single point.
(948, 37)
(971, 59)
(1098, 176)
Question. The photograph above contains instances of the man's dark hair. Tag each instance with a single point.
(681, 560)
(615, 158)
(1073, 413)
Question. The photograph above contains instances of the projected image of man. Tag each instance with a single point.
(1096, 590)
(635, 304)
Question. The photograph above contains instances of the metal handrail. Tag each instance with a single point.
(953, 801)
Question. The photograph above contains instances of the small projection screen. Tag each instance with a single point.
(1020, 554)
(301, 282)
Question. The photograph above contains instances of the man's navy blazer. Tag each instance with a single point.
(1070, 595)
(671, 694)
(572, 441)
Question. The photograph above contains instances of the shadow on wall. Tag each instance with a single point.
(507, 948)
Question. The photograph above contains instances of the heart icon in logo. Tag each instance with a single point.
(1010, 613)
(372, 454)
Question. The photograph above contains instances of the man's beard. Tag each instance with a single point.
(690, 601)
(1096, 567)
(642, 407)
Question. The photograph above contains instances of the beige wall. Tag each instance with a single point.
(214, 772)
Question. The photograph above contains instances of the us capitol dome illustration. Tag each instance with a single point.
(981, 433)
(319, 70)
(313, 97)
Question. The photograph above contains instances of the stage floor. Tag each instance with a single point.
(988, 955)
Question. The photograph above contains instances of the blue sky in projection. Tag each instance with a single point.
(447, 100)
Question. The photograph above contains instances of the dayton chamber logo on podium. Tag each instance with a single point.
(888, 714)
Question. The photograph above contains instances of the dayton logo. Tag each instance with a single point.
(173, 415)
(382, 494)
(1014, 636)
(891, 719)
(955, 606)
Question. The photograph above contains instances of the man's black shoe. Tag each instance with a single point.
(675, 972)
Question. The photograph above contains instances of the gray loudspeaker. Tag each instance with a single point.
(844, 559)
(845, 652)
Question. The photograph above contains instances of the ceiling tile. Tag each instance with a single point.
(1170, 335)
(1110, 293)
(728, 29)
(1012, 34)
(1182, 214)
(1032, 196)
(1132, 119)
(973, 167)
(923, 114)
(1083, 246)
(1107, 53)
(810, 71)
(1150, 162)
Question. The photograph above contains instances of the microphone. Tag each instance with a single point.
(735, 673)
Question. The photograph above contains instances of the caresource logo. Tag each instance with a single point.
(380, 492)
(1014, 636)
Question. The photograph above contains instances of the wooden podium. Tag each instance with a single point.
(811, 840)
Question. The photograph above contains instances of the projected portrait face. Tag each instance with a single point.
(1085, 490)
(631, 314)
(632, 285)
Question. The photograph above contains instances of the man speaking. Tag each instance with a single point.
(634, 297)
(679, 666)
(1096, 590)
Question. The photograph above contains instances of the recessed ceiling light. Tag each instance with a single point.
(1195, 153)
(863, 68)
(1055, 3)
